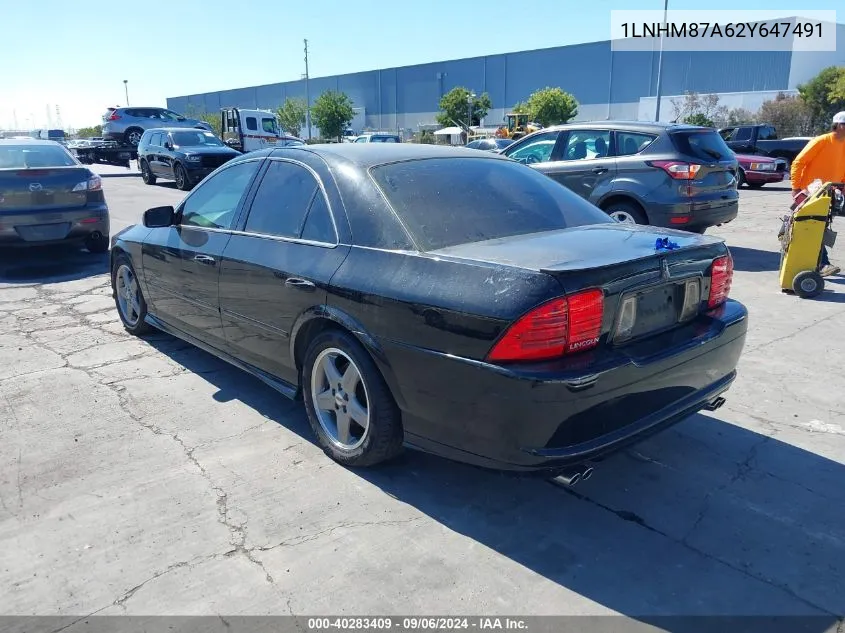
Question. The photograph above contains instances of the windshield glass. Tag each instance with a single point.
(195, 139)
(448, 201)
(26, 156)
(269, 125)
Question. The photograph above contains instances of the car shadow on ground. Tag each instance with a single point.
(754, 259)
(128, 174)
(707, 518)
(50, 264)
(769, 188)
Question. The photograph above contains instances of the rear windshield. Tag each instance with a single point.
(449, 201)
(25, 156)
(703, 144)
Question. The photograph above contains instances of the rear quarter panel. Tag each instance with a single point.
(454, 307)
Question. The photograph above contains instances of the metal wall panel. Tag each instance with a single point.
(592, 72)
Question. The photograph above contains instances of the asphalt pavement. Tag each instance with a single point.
(147, 477)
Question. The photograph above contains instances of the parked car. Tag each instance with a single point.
(127, 125)
(445, 298)
(49, 197)
(489, 144)
(186, 156)
(762, 140)
(663, 174)
(756, 171)
(377, 138)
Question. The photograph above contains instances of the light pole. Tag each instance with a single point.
(126, 90)
(307, 94)
(470, 97)
(660, 61)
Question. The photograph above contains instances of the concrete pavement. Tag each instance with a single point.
(146, 477)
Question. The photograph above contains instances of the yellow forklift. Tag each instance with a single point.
(803, 235)
(517, 126)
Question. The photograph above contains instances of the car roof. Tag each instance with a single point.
(177, 129)
(369, 155)
(655, 127)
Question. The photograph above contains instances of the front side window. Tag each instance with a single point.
(282, 200)
(269, 125)
(213, 203)
(537, 149)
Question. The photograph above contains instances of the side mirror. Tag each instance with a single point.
(168, 145)
(159, 217)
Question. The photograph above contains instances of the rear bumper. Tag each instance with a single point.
(55, 226)
(764, 177)
(556, 415)
(698, 214)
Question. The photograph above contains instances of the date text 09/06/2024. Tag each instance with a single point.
(729, 30)
(416, 623)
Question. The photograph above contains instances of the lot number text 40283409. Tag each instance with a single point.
(415, 623)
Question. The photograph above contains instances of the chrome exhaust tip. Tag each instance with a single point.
(570, 478)
(715, 404)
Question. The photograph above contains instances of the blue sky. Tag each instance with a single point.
(76, 54)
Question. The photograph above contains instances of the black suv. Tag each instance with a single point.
(186, 156)
(663, 174)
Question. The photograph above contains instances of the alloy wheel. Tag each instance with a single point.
(340, 399)
(128, 295)
(623, 216)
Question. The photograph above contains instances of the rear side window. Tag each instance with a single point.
(251, 123)
(282, 200)
(702, 144)
(448, 201)
(630, 143)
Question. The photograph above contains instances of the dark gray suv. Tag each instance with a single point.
(663, 174)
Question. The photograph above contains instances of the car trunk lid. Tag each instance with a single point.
(43, 189)
(651, 280)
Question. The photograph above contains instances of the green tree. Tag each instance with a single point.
(822, 97)
(455, 105)
(332, 113)
(89, 132)
(740, 116)
(790, 116)
(214, 120)
(699, 118)
(292, 115)
(837, 90)
(551, 106)
(519, 108)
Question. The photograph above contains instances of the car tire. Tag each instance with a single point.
(133, 136)
(146, 174)
(626, 212)
(98, 244)
(134, 321)
(335, 352)
(740, 178)
(756, 185)
(181, 178)
(808, 284)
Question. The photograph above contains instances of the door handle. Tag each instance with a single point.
(301, 284)
(205, 259)
(599, 170)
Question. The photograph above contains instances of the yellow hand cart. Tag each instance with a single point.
(802, 237)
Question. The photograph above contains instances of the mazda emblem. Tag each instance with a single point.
(35, 186)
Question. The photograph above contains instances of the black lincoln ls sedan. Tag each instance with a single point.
(446, 299)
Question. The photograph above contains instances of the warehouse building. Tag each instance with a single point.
(608, 83)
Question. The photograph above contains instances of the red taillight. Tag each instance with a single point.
(557, 327)
(679, 219)
(720, 280)
(677, 169)
(114, 116)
